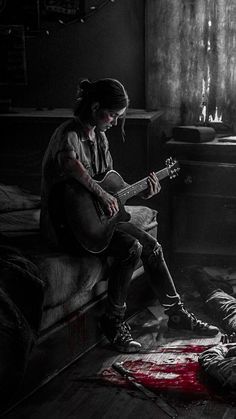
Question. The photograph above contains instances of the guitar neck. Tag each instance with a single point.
(132, 190)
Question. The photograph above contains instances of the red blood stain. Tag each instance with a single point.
(158, 376)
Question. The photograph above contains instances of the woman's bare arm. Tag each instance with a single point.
(73, 167)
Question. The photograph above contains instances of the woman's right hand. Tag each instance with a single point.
(77, 170)
(109, 204)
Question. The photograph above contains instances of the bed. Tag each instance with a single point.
(74, 288)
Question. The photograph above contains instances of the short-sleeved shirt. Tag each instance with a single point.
(94, 155)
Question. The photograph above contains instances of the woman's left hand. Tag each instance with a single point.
(154, 186)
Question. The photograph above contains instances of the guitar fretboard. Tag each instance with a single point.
(132, 190)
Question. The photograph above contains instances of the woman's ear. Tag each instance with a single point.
(95, 106)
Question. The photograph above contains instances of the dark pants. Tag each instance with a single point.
(128, 244)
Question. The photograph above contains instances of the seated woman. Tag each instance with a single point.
(79, 151)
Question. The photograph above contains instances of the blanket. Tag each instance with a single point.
(21, 301)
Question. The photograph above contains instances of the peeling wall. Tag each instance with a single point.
(188, 42)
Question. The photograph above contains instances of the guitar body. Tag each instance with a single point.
(94, 228)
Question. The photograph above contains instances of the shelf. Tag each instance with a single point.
(60, 114)
(213, 251)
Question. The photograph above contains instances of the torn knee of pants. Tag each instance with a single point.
(157, 249)
(134, 253)
(155, 253)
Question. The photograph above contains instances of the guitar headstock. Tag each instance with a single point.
(173, 167)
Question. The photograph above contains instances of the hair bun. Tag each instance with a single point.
(85, 85)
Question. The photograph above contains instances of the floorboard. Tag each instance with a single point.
(76, 393)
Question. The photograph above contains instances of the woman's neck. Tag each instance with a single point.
(88, 129)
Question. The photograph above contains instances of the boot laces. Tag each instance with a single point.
(123, 332)
(194, 320)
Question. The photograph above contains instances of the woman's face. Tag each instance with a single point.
(107, 118)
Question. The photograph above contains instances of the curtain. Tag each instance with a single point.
(191, 58)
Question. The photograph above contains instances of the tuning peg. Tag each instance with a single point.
(169, 162)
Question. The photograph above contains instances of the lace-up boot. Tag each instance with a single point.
(181, 319)
(117, 331)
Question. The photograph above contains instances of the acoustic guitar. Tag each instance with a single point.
(95, 226)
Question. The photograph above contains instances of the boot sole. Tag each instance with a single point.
(126, 351)
(117, 347)
(176, 332)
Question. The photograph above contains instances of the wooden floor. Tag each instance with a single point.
(76, 393)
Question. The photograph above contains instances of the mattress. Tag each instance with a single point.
(71, 281)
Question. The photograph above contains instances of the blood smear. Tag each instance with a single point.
(182, 377)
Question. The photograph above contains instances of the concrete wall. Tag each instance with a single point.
(109, 44)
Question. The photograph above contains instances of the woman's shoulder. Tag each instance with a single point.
(66, 129)
(69, 125)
